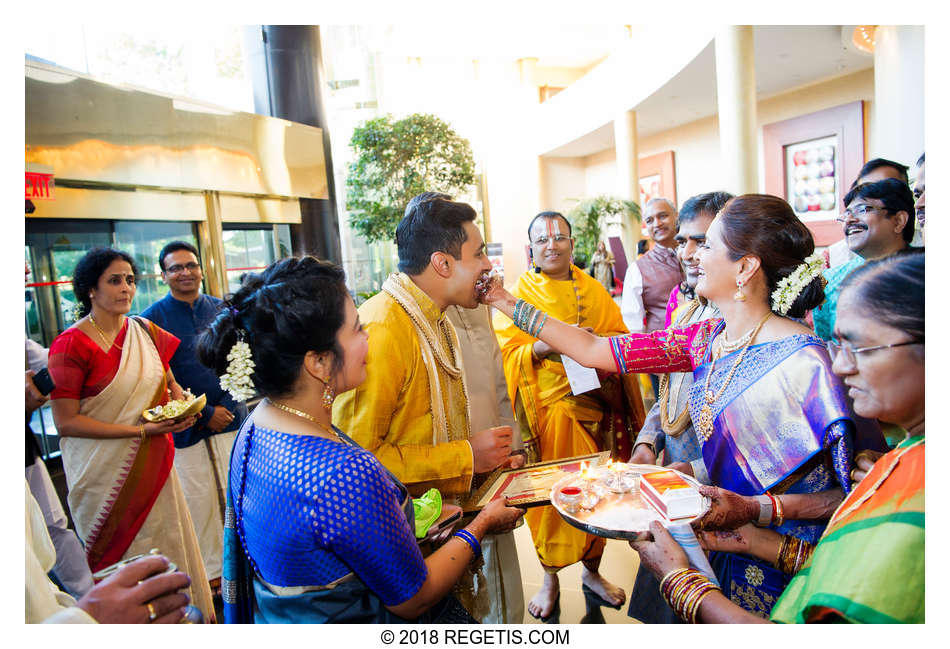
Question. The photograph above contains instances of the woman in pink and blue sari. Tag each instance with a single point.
(773, 419)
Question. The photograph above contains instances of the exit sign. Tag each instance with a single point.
(39, 187)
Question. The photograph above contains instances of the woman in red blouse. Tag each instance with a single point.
(124, 494)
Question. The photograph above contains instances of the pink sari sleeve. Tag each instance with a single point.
(662, 351)
(671, 305)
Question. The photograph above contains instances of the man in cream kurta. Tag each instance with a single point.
(490, 406)
(412, 410)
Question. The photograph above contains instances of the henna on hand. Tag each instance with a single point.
(728, 510)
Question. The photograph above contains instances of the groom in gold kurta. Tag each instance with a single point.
(555, 423)
(412, 410)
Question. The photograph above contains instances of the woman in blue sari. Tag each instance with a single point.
(772, 418)
(316, 529)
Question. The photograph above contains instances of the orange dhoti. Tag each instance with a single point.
(555, 423)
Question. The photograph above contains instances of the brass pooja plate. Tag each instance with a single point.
(624, 515)
(193, 409)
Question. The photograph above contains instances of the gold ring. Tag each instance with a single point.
(851, 475)
(152, 615)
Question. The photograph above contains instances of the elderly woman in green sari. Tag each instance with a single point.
(868, 566)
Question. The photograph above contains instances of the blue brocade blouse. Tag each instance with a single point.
(310, 511)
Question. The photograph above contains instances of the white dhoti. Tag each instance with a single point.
(203, 471)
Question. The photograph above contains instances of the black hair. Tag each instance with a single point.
(891, 291)
(895, 195)
(422, 198)
(877, 163)
(431, 224)
(550, 215)
(766, 227)
(91, 267)
(296, 305)
(175, 246)
(708, 203)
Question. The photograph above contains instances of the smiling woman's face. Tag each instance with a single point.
(716, 272)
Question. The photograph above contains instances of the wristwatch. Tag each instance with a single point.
(766, 511)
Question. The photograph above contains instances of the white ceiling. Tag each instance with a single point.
(562, 46)
(786, 57)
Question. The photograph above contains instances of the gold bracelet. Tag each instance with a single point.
(779, 512)
(142, 434)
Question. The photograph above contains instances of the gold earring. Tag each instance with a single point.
(739, 295)
(328, 396)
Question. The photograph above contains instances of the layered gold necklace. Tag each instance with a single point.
(704, 427)
(307, 416)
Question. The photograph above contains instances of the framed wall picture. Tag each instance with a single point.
(811, 161)
(657, 177)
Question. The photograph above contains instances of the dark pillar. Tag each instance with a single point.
(286, 67)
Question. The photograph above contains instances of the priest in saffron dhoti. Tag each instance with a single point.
(554, 422)
(412, 411)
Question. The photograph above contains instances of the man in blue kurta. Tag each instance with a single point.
(202, 452)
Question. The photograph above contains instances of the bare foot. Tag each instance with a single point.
(542, 604)
(603, 588)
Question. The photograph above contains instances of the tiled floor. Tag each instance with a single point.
(619, 566)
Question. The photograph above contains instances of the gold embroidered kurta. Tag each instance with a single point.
(390, 415)
(558, 424)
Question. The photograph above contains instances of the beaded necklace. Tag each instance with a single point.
(704, 427)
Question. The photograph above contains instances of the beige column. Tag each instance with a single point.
(735, 86)
(897, 131)
(211, 239)
(628, 175)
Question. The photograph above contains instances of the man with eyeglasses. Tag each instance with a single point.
(202, 452)
(877, 222)
(556, 423)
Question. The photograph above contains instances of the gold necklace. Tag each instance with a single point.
(727, 347)
(308, 416)
(704, 426)
(102, 334)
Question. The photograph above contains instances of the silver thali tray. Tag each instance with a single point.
(623, 515)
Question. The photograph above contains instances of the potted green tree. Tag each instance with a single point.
(398, 159)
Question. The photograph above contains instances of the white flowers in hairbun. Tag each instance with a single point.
(789, 288)
(237, 378)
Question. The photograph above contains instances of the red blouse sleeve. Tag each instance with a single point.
(68, 365)
(662, 351)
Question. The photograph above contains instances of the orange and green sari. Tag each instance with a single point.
(868, 566)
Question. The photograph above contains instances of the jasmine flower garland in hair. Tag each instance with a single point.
(791, 287)
(237, 378)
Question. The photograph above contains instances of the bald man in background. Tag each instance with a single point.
(649, 281)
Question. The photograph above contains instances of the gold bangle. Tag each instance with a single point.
(142, 434)
(779, 511)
